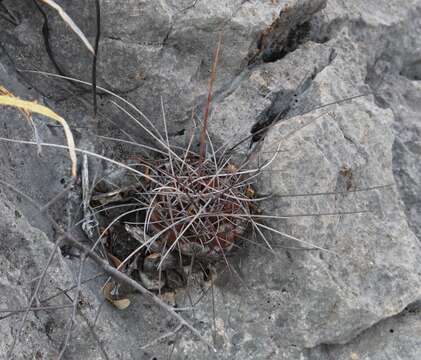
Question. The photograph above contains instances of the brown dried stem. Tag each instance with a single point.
(203, 133)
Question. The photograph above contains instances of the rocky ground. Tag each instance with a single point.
(361, 300)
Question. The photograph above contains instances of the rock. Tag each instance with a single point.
(373, 273)
(24, 251)
(352, 146)
(396, 338)
(278, 64)
(164, 48)
(264, 92)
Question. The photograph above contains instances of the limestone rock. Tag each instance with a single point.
(281, 61)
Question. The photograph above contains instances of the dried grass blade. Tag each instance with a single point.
(68, 20)
(202, 150)
(43, 110)
(28, 117)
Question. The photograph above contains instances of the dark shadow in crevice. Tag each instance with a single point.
(296, 37)
(412, 71)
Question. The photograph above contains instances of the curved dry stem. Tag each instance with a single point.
(87, 152)
(109, 92)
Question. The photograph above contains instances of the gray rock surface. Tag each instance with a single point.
(393, 338)
(280, 59)
(164, 48)
(25, 248)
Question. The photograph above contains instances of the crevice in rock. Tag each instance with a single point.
(323, 32)
(407, 185)
(393, 79)
(412, 71)
(167, 35)
(359, 149)
(287, 32)
(327, 349)
(285, 102)
(295, 38)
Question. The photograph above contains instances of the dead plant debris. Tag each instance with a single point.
(186, 212)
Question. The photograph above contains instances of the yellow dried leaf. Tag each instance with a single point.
(4, 91)
(27, 114)
(32, 107)
(120, 304)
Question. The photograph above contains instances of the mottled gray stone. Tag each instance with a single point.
(393, 338)
(352, 146)
(265, 91)
(297, 304)
(25, 248)
(156, 48)
(375, 273)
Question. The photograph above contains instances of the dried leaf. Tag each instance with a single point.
(169, 298)
(110, 197)
(115, 260)
(153, 256)
(71, 23)
(30, 106)
(120, 304)
(250, 193)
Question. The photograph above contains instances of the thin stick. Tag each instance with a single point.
(202, 151)
(294, 238)
(377, 187)
(75, 304)
(33, 297)
(65, 291)
(122, 278)
(98, 88)
(96, 49)
(163, 337)
(111, 271)
(90, 153)
(36, 308)
(59, 196)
